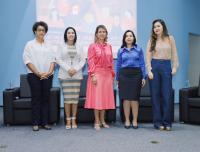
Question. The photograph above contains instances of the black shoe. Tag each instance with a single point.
(46, 127)
(135, 127)
(127, 124)
(127, 127)
(35, 128)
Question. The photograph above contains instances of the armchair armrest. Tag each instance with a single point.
(184, 94)
(54, 105)
(190, 92)
(8, 96)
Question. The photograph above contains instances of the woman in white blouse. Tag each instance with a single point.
(39, 60)
(71, 61)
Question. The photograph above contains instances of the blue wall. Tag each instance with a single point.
(181, 16)
(17, 18)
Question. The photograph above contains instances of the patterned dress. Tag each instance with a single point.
(70, 57)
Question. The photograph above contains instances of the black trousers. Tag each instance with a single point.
(40, 91)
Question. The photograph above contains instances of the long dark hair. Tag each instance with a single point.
(65, 34)
(154, 36)
(124, 37)
(96, 31)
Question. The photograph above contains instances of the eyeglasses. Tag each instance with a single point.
(41, 30)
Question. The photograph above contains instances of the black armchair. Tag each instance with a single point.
(189, 105)
(145, 113)
(87, 115)
(17, 104)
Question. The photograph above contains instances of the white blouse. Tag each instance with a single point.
(40, 55)
(70, 57)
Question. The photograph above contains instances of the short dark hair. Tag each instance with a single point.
(39, 23)
(65, 34)
(124, 37)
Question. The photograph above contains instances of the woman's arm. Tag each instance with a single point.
(81, 61)
(28, 61)
(148, 56)
(148, 60)
(174, 55)
(142, 64)
(91, 60)
(60, 61)
(112, 62)
(119, 62)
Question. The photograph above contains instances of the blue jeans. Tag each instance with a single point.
(161, 92)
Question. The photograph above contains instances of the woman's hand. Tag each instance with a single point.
(150, 75)
(71, 72)
(44, 76)
(143, 82)
(94, 80)
(173, 71)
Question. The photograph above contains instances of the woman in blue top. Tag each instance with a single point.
(130, 76)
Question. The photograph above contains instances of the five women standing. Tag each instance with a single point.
(161, 50)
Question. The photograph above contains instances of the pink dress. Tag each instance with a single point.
(100, 63)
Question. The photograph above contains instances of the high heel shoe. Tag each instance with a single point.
(97, 126)
(46, 127)
(68, 123)
(35, 128)
(74, 125)
(161, 128)
(168, 128)
(127, 125)
(105, 125)
(135, 126)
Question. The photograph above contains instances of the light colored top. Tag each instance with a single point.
(100, 56)
(41, 55)
(69, 57)
(165, 50)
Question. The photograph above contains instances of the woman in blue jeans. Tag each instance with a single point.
(161, 51)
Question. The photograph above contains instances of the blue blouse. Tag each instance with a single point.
(132, 57)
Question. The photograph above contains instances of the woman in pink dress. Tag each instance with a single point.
(100, 96)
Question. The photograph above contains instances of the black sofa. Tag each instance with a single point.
(189, 104)
(17, 104)
(145, 113)
(87, 115)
